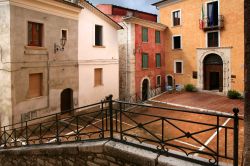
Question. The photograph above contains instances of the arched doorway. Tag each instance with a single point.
(213, 72)
(67, 100)
(169, 80)
(145, 86)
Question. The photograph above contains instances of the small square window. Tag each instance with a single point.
(144, 60)
(157, 37)
(213, 39)
(176, 18)
(98, 76)
(144, 34)
(177, 42)
(98, 35)
(178, 67)
(158, 81)
(64, 34)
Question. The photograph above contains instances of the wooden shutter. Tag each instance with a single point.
(144, 34)
(144, 61)
(157, 37)
(98, 76)
(35, 85)
(158, 60)
(35, 33)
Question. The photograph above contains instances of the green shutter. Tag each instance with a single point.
(158, 60)
(144, 34)
(144, 61)
(157, 37)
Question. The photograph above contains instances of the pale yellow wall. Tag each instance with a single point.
(193, 37)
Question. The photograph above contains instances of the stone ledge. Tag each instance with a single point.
(104, 153)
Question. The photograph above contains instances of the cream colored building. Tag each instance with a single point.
(39, 74)
(98, 55)
(204, 43)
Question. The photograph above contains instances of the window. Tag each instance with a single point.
(157, 37)
(176, 42)
(35, 85)
(35, 34)
(144, 34)
(176, 15)
(64, 34)
(178, 67)
(195, 74)
(98, 35)
(213, 13)
(213, 39)
(158, 81)
(144, 60)
(158, 60)
(98, 76)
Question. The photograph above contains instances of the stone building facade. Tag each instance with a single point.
(204, 43)
(39, 74)
(142, 58)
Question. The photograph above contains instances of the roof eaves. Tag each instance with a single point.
(157, 3)
(147, 23)
(117, 25)
(133, 10)
(69, 3)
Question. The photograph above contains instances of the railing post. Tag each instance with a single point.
(109, 98)
(4, 136)
(102, 119)
(236, 136)
(26, 133)
(57, 130)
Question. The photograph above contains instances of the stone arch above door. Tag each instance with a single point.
(225, 55)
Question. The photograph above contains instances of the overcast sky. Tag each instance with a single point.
(143, 5)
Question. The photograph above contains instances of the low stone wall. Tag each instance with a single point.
(101, 153)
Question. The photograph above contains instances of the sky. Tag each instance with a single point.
(143, 5)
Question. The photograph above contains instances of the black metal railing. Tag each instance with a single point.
(212, 24)
(140, 97)
(159, 129)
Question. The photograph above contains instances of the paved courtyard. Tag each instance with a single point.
(200, 101)
(206, 138)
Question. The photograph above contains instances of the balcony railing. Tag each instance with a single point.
(212, 24)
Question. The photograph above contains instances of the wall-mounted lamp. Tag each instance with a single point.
(61, 46)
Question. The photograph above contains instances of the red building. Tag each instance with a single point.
(141, 50)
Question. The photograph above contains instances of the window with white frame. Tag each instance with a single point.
(176, 40)
(176, 16)
(178, 67)
(158, 81)
(213, 39)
